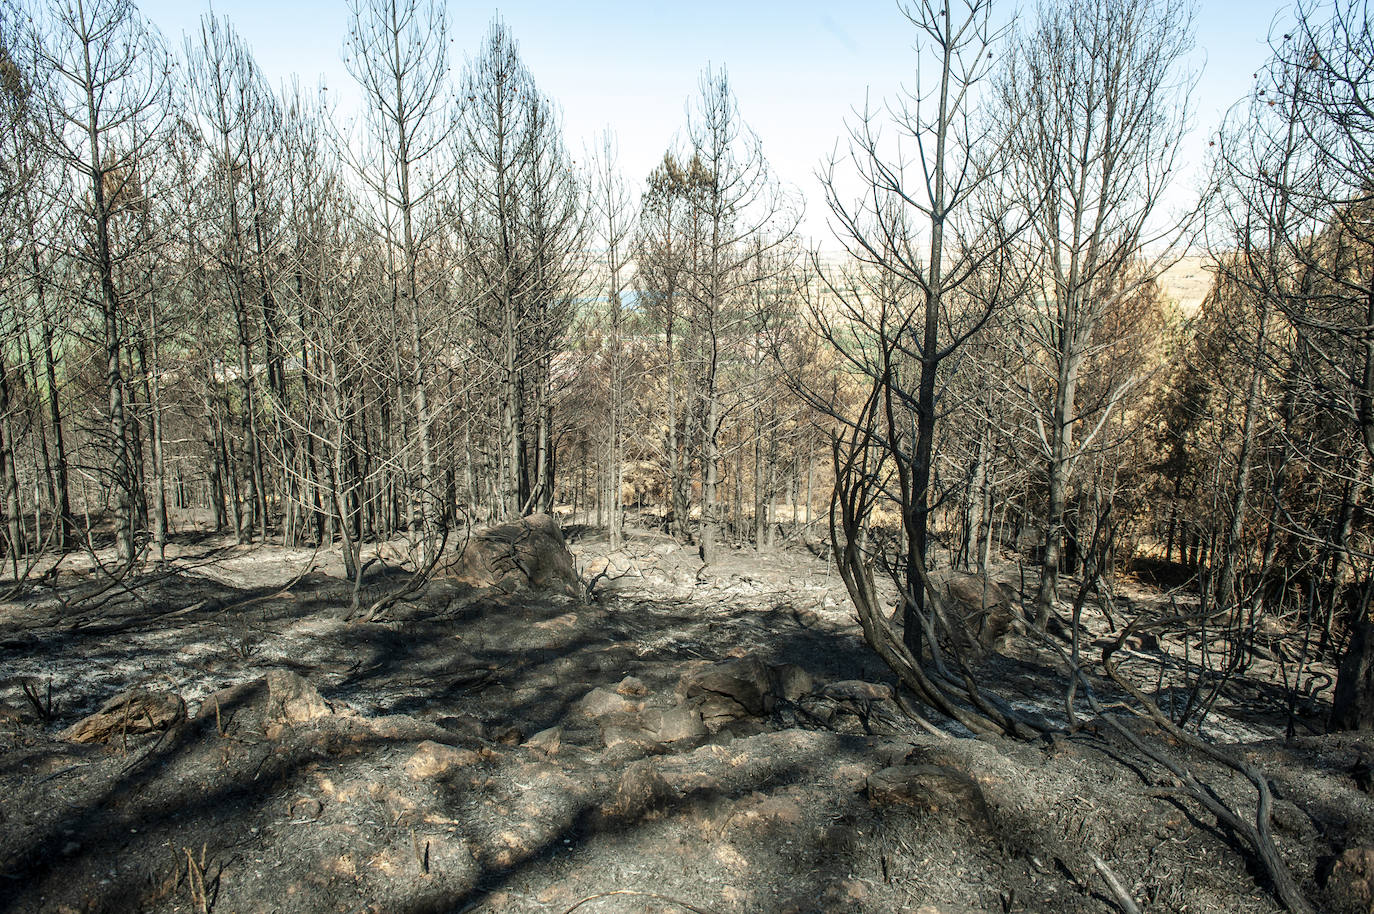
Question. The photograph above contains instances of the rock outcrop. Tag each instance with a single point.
(744, 687)
(980, 612)
(527, 554)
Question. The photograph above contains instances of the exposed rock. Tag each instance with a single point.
(725, 691)
(674, 724)
(741, 728)
(632, 685)
(269, 705)
(435, 759)
(934, 788)
(892, 754)
(844, 895)
(853, 706)
(1002, 780)
(512, 735)
(599, 703)
(547, 741)
(615, 735)
(857, 691)
(566, 621)
(1288, 819)
(305, 808)
(641, 791)
(744, 687)
(793, 682)
(292, 699)
(396, 727)
(1350, 886)
(466, 724)
(134, 711)
(980, 612)
(528, 554)
(745, 683)
(765, 813)
(9, 716)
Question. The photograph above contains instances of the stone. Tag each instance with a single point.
(11, 717)
(857, 691)
(400, 728)
(466, 724)
(674, 724)
(933, 788)
(743, 687)
(512, 735)
(633, 686)
(1350, 884)
(891, 754)
(844, 895)
(130, 712)
(527, 554)
(435, 759)
(292, 699)
(546, 741)
(793, 682)
(612, 736)
(640, 792)
(600, 702)
(566, 621)
(723, 692)
(305, 808)
(768, 813)
(271, 705)
(979, 611)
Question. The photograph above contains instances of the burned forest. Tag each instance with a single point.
(407, 506)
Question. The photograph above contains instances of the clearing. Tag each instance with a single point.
(718, 741)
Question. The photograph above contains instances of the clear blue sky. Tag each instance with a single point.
(797, 67)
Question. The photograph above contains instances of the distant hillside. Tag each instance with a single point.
(1187, 283)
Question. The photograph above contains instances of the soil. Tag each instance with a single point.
(473, 750)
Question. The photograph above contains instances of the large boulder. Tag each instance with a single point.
(527, 554)
(641, 792)
(744, 687)
(979, 611)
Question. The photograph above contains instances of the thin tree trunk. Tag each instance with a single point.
(15, 545)
(1060, 467)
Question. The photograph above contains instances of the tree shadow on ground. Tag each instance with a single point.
(330, 812)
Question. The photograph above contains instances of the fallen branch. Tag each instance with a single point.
(417, 581)
(1123, 897)
(1256, 834)
(589, 586)
(634, 894)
